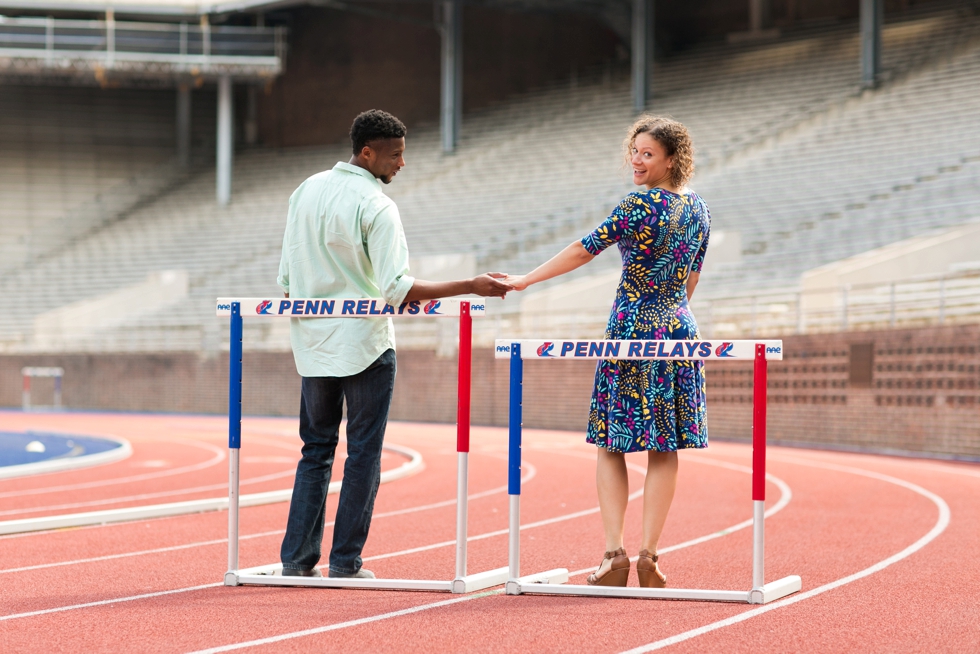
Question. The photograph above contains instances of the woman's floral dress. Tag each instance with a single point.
(651, 405)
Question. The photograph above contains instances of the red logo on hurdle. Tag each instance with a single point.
(724, 350)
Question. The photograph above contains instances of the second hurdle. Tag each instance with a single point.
(268, 575)
(551, 582)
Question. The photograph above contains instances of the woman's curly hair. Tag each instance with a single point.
(674, 138)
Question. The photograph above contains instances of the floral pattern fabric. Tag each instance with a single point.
(651, 405)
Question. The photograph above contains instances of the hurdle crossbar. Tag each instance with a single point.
(270, 575)
(551, 582)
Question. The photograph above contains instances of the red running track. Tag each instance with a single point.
(884, 545)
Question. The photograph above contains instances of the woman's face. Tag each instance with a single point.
(650, 161)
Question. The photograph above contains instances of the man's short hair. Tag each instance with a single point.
(372, 125)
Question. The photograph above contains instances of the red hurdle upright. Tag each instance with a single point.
(760, 397)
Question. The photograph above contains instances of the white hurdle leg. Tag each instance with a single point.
(514, 547)
(758, 545)
(231, 577)
(462, 492)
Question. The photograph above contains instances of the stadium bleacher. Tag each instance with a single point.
(777, 126)
(75, 158)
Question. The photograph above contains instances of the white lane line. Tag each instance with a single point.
(371, 618)
(941, 523)
(529, 475)
(532, 471)
(902, 461)
(131, 598)
(414, 465)
(344, 625)
(65, 464)
(783, 501)
(146, 496)
(158, 550)
(786, 494)
(219, 456)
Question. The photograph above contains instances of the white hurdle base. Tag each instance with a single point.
(768, 593)
(271, 575)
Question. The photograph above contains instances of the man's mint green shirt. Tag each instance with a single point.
(343, 239)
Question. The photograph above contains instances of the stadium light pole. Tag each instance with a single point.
(756, 11)
(642, 55)
(224, 154)
(451, 112)
(872, 18)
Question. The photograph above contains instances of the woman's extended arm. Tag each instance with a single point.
(572, 257)
(692, 283)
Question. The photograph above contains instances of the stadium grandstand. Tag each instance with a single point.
(817, 433)
(150, 149)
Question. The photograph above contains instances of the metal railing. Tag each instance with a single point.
(110, 41)
(916, 302)
(913, 302)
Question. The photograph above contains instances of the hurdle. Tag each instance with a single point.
(238, 308)
(760, 352)
(30, 372)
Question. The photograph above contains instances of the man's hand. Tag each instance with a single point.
(490, 285)
(487, 285)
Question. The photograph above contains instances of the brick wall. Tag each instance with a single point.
(916, 390)
(172, 382)
(913, 390)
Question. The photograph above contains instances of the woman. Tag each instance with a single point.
(655, 407)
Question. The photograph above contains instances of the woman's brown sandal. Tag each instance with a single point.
(618, 573)
(648, 572)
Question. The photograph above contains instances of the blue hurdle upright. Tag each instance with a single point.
(302, 308)
(551, 582)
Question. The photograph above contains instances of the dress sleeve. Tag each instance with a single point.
(698, 262)
(625, 220)
(388, 251)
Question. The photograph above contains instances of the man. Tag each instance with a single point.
(344, 239)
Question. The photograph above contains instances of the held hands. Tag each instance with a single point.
(496, 284)
(492, 284)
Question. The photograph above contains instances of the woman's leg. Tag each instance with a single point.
(658, 493)
(612, 485)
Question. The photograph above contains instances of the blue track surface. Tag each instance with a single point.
(16, 447)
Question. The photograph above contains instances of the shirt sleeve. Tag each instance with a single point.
(388, 251)
(625, 220)
(283, 279)
(698, 262)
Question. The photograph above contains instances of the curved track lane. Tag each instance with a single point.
(868, 533)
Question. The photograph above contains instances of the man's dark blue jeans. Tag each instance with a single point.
(368, 395)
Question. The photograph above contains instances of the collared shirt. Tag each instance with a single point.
(343, 239)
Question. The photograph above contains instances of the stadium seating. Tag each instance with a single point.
(75, 158)
(791, 155)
